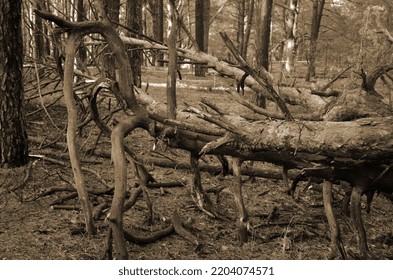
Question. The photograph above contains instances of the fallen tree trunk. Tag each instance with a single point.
(292, 96)
(354, 103)
(280, 141)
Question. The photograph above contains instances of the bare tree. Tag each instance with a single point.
(13, 136)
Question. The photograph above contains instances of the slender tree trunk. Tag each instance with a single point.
(13, 136)
(241, 7)
(315, 24)
(134, 21)
(247, 29)
(206, 25)
(291, 29)
(39, 52)
(172, 65)
(157, 9)
(264, 15)
(200, 70)
(26, 23)
(38, 35)
(263, 23)
(47, 42)
(81, 16)
(112, 10)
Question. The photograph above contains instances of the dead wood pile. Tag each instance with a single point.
(343, 147)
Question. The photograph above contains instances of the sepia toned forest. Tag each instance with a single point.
(180, 129)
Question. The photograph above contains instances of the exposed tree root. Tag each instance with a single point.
(199, 195)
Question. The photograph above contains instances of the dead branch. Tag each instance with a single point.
(182, 231)
(130, 237)
(263, 78)
(235, 96)
(63, 163)
(332, 81)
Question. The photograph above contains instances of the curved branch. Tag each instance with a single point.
(115, 216)
(72, 42)
(84, 26)
(106, 29)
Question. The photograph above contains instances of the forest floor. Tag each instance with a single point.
(32, 226)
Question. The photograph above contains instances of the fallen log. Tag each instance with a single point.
(295, 143)
(292, 96)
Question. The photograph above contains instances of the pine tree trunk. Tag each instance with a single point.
(200, 70)
(264, 16)
(112, 10)
(315, 24)
(206, 25)
(134, 21)
(241, 10)
(172, 65)
(291, 26)
(157, 9)
(38, 36)
(13, 136)
(247, 29)
(81, 16)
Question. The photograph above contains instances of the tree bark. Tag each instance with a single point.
(13, 136)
